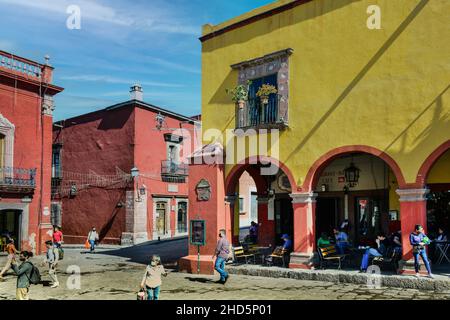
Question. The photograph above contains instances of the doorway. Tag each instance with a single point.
(283, 219)
(327, 215)
(10, 221)
(161, 208)
(368, 219)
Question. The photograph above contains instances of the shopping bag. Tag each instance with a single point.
(87, 245)
(141, 295)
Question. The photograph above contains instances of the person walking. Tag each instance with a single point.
(419, 240)
(23, 273)
(222, 252)
(12, 251)
(93, 238)
(152, 278)
(57, 237)
(51, 260)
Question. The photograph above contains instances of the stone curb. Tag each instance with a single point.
(406, 282)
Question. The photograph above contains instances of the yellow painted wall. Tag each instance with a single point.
(349, 85)
(440, 172)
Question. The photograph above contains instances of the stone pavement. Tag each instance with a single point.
(106, 276)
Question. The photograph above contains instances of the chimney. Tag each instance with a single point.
(136, 92)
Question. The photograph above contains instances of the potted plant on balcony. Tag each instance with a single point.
(264, 91)
(239, 94)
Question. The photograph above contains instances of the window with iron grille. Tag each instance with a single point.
(56, 219)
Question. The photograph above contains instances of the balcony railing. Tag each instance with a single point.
(172, 168)
(21, 65)
(257, 115)
(17, 179)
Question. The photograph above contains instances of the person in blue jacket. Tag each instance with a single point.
(419, 240)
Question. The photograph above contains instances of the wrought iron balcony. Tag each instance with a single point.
(17, 179)
(174, 172)
(261, 116)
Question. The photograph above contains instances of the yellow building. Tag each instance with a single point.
(362, 89)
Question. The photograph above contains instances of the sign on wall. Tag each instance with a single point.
(198, 232)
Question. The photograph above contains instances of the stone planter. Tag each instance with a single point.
(241, 104)
(264, 100)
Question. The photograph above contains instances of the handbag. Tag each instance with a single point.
(142, 294)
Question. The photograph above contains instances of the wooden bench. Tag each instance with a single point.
(278, 253)
(239, 253)
(391, 259)
(329, 254)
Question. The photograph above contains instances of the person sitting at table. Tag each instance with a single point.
(253, 236)
(323, 241)
(341, 240)
(396, 241)
(382, 244)
(438, 243)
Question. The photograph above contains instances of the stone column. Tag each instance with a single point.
(266, 231)
(304, 205)
(413, 211)
(135, 218)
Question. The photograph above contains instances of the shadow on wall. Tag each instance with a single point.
(115, 119)
(320, 8)
(361, 74)
(108, 225)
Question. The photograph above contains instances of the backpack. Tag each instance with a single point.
(35, 275)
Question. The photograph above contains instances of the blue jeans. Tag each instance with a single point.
(92, 243)
(340, 247)
(365, 260)
(153, 293)
(423, 254)
(220, 267)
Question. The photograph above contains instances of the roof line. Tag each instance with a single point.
(252, 19)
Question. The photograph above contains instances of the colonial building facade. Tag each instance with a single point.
(26, 107)
(357, 130)
(121, 170)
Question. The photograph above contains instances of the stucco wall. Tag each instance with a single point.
(349, 85)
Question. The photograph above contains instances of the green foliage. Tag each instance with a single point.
(239, 93)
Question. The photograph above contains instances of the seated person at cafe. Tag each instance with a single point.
(382, 244)
(438, 242)
(253, 236)
(323, 241)
(341, 241)
(287, 245)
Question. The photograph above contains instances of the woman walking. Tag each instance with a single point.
(93, 238)
(12, 251)
(152, 278)
(419, 240)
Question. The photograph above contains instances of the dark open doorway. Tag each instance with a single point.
(10, 221)
(284, 222)
(327, 215)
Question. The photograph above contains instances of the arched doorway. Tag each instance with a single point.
(274, 204)
(369, 202)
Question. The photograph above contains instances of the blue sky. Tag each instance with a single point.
(153, 42)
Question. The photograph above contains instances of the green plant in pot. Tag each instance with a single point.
(239, 94)
(264, 91)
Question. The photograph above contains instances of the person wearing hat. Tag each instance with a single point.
(419, 240)
(93, 238)
(287, 245)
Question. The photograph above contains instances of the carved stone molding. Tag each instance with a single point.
(7, 129)
(307, 197)
(48, 105)
(412, 195)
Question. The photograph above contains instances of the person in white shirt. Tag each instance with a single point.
(93, 238)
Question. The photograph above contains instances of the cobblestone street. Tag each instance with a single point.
(113, 277)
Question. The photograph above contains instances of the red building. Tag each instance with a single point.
(121, 170)
(26, 106)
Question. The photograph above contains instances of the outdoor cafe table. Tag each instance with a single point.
(264, 252)
(443, 248)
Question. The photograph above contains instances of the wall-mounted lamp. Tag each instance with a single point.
(324, 188)
(142, 191)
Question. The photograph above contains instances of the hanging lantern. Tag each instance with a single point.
(351, 175)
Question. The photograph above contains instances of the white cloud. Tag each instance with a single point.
(158, 19)
(110, 79)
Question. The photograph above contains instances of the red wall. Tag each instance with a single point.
(20, 103)
(96, 143)
(124, 137)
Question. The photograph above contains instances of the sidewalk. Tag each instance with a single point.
(440, 283)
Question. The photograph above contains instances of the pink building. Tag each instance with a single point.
(121, 170)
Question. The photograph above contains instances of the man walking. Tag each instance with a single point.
(52, 259)
(93, 238)
(23, 273)
(12, 251)
(222, 251)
